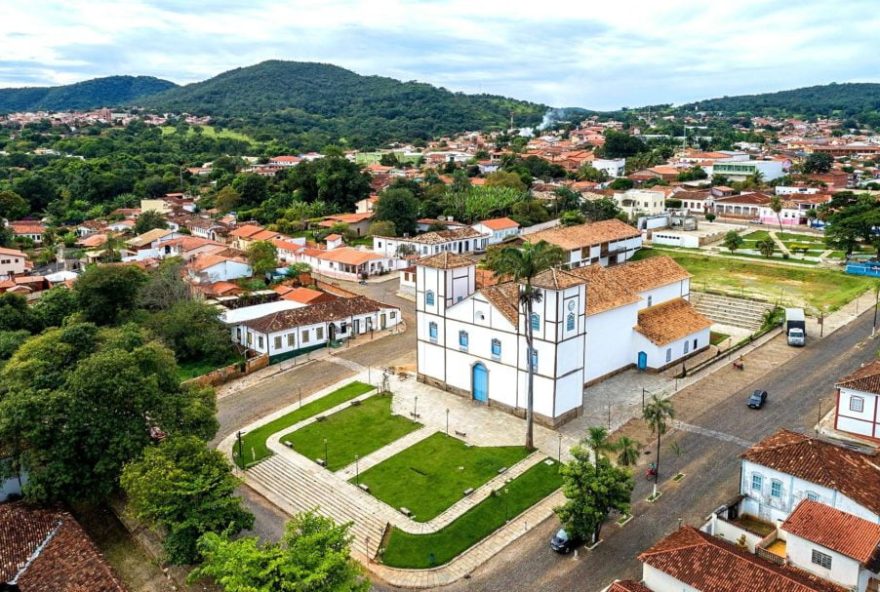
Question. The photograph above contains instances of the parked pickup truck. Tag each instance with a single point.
(796, 327)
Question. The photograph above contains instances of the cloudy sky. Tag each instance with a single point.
(584, 53)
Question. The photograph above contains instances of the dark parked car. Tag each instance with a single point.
(757, 399)
(562, 542)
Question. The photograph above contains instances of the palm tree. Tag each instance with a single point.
(657, 412)
(776, 206)
(627, 451)
(597, 440)
(523, 265)
(766, 247)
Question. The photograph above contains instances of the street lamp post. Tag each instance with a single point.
(325, 452)
(357, 472)
(447, 421)
(559, 453)
(416, 406)
(241, 451)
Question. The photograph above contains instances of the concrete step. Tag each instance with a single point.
(728, 310)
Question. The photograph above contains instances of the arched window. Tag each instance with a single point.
(496, 348)
(429, 298)
(687, 345)
(569, 322)
(463, 339)
(432, 332)
(536, 321)
(668, 354)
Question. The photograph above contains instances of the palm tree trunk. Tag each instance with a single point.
(657, 472)
(530, 389)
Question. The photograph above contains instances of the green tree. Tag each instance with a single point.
(588, 173)
(733, 240)
(77, 403)
(596, 210)
(710, 217)
(165, 287)
(621, 184)
(149, 220)
(627, 451)
(776, 205)
(193, 331)
(15, 315)
(187, 489)
(851, 218)
(54, 306)
(382, 228)
(312, 556)
(227, 199)
(567, 199)
(12, 205)
(592, 491)
(106, 293)
(262, 256)
(529, 212)
(571, 218)
(399, 207)
(621, 145)
(657, 413)
(253, 189)
(505, 179)
(524, 265)
(10, 341)
(597, 441)
(818, 162)
(766, 247)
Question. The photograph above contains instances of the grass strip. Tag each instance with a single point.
(254, 442)
(419, 551)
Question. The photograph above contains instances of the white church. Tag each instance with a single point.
(591, 323)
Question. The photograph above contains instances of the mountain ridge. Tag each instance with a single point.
(108, 91)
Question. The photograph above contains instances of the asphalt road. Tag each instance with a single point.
(709, 459)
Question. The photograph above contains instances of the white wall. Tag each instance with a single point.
(863, 423)
(844, 571)
(657, 357)
(659, 581)
(608, 347)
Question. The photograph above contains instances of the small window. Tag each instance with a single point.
(536, 322)
(812, 496)
(429, 298)
(776, 488)
(290, 339)
(857, 404)
(277, 342)
(569, 322)
(534, 360)
(392, 315)
(496, 348)
(305, 336)
(250, 338)
(757, 482)
(695, 345)
(687, 345)
(238, 334)
(463, 339)
(650, 300)
(432, 332)
(260, 342)
(821, 559)
(668, 354)
(319, 333)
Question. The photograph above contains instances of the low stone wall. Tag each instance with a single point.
(231, 372)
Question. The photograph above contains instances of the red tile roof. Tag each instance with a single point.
(836, 530)
(628, 586)
(585, 235)
(852, 473)
(335, 310)
(708, 564)
(865, 379)
(48, 551)
(246, 231)
(500, 223)
(445, 260)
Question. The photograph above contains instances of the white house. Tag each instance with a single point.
(858, 397)
(12, 262)
(781, 470)
(613, 167)
(636, 202)
(740, 170)
(461, 240)
(348, 262)
(586, 326)
(498, 229)
(212, 268)
(608, 242)
(287, 333)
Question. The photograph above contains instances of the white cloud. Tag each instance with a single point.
(597, 55)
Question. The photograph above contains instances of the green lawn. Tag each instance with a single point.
(790, 285)
(209, 131)
(433, 474)
(716, 337)
(194, 369)
(419, 551)
(354, 431)
(254, 442)
(777, 256)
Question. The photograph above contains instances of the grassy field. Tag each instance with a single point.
(354, 431)
(805, 286)
(419, 551)
(210, 131)
(254, 442)
(430, 476)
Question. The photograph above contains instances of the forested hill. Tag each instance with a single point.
(111, 91)
(851, 99)
(316, 103)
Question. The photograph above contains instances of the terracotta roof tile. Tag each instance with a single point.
(865, 379)
(709, 564)
(335, 310)
(556, 279)
(246, 231)
(504, 297)
(664, 323)
(349, 255)
(603, 291)
(853, 473)
(628, 586)
(836, 530)
(445, 260)
(585, 235)
(756, 198)
(638, 276)
(500, 223)
(63, 557)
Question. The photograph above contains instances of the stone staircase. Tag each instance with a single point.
(727, 310)
(296, 490)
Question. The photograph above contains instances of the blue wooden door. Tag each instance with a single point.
(481, 383)
(643, 361)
